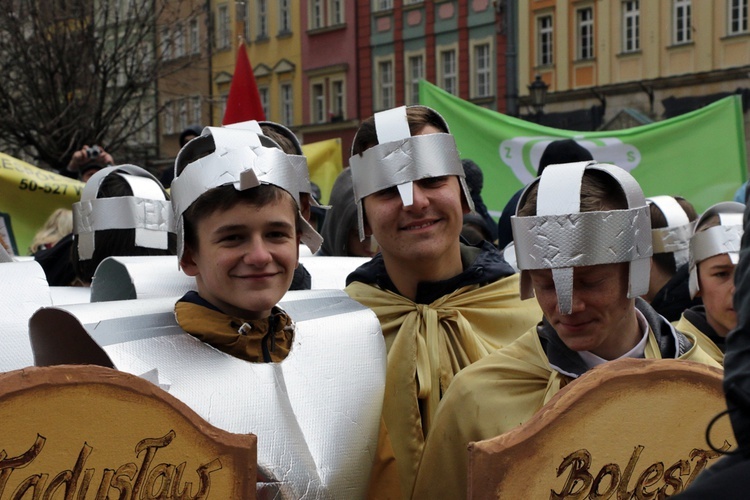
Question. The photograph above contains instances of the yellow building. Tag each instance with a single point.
(659, 58)
(271, 31)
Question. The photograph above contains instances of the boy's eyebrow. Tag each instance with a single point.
(281, 224)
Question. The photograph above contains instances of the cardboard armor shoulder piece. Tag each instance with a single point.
(316, 414)
(24, 289)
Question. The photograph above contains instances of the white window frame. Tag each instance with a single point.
(631, 26)
(737, 17)
(316, 17)
(385, 89)
(195, 36)
(169, 118)
(262, 18)
(336, 12)
(265, 100)
(285, 17)
(166, 43)
(682, 25)
(448, 69)
(482, 81)
(286, 101)
(545, 40)
(182, 115)
(318, 101)
(338, 97)
(415, 71)
(382, 5)
(179, 40)
(585, 33)
(196, 112)
(223, 28)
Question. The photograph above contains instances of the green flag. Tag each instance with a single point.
(698, 155)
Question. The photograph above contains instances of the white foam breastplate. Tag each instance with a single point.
(316, 414)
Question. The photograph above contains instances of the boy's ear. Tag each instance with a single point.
(187, 263)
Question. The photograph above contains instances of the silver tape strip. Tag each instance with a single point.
(581, 239)
(715, 241)
(392, 125)
(408, 160)
(675, 238)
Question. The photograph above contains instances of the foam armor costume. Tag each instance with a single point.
(316, 414)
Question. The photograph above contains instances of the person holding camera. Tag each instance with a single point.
(89, 160)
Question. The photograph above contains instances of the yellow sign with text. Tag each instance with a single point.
(28, 195)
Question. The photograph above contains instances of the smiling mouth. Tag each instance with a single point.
(420, 225)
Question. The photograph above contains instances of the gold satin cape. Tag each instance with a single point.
(427, 345)
(684, 325)
(491, 397)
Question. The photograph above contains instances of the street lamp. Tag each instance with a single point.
(538, 93)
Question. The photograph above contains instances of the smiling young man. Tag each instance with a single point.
(714, 251)
(239, 229)
(442, 305)
(583, 241)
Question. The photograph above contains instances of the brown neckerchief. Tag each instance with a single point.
(249, 340)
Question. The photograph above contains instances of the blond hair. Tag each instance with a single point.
(58, 225)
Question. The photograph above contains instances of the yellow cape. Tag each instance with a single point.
(705, 343)
(428, 344)
(492, 397)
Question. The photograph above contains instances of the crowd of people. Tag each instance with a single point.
(482, 322)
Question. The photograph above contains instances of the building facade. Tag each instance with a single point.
(649, 60)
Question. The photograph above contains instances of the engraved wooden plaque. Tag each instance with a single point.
(89, 432)
(632, 428)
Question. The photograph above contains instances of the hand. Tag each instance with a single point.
(88, 154)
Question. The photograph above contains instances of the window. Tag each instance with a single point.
(168, 118)
(316, 14)
(183, 116)
(285, 17)
(585, 38)
(737, 17)
(416, 73)
(318, 103)
(287, 104)
(223, 32)
(264, 100)
(197, 112)
(379, 5)
(482, 71)
(336, 12)
(179, 40)
(195, 37)
(338, 103)
(262, 20)
(631, 26)
(385, 81)
(412, 2)
(544, 41)
(448, 71)
(166, 49)
(682, 26)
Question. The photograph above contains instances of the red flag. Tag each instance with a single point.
(243, 102)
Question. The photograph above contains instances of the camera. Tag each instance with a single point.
(93, 152)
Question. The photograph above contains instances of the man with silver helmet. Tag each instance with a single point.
(442, 305)
(583, 240)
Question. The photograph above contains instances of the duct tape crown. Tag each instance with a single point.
(400, 159)
(239, 157)
(675, 238)
(724, 238)
(148, 211)
(561, 237)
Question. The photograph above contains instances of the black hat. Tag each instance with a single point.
(563, 151)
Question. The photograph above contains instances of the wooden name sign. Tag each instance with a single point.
(627, 429)
(86, 432)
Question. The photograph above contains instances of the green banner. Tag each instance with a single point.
(698, 155)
